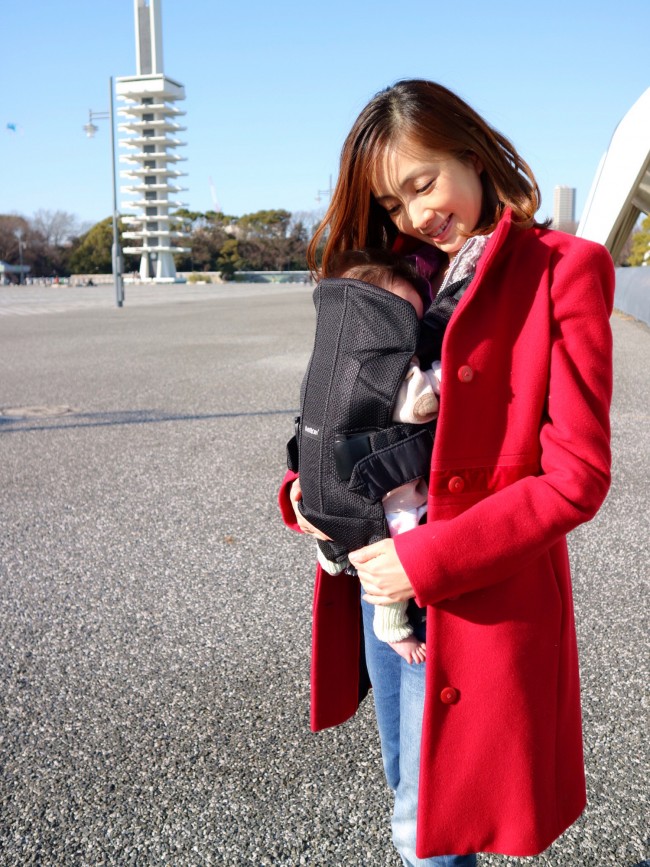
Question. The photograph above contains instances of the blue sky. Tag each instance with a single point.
(272, 88)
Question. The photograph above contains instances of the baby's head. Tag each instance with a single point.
(388, 271)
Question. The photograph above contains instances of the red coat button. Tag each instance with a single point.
(449, 695)
(456, 485)
(465, 373)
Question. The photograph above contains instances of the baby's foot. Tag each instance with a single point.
(410, 649)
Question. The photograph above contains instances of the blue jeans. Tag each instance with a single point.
(398, 690)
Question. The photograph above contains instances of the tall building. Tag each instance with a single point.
(151, 144)
(564, 208)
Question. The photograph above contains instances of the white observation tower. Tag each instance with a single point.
(149, 109)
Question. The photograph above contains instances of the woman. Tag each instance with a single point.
(482, 744)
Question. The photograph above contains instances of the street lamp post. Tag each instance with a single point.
(116, 253)
(327, 192)
(21, 245)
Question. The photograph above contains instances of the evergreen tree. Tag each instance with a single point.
(93, 252)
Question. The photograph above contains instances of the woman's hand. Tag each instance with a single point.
(295, 494)
(382, 574)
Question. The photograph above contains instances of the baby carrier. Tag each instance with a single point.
(346, 447)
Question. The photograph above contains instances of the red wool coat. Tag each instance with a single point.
(521, 457)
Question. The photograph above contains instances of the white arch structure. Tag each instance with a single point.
(620, 191)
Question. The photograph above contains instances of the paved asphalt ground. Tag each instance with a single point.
(154, 613)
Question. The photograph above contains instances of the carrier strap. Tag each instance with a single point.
(392, 464)
(375, 462)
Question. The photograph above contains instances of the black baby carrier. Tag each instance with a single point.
(347, 449)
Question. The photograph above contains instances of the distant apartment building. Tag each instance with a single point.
(564, 208)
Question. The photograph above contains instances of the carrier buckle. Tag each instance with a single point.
(349, 449)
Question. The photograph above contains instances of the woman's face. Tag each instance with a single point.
(430, 195)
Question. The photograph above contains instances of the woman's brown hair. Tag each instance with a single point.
(432, 117)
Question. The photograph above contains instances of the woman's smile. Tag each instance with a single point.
(441, 229)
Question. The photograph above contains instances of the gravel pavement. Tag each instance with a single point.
(154, 613)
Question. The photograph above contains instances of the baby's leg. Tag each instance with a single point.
(391, 622)
(391, 625)
(330, 566)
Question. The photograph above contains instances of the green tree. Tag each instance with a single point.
(229, 259)
(640, 251)
(207, 242)
(265, 224)
(208, 233)
(93, 252)
(271, 241)
(191, 216)
(218, 218)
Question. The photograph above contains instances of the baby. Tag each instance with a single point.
(416, 403)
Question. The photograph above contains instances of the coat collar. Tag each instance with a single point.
(504, 227)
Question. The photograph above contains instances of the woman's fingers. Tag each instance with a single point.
(295, 492)
(381, 573)
(295, 495)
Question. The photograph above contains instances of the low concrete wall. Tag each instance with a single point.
(97, 279)
(134, 277)
(272, 277)
(633, 292)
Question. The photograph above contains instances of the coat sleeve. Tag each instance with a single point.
(497, 536)
(286, 508)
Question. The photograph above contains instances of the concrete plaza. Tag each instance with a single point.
(154, 613)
